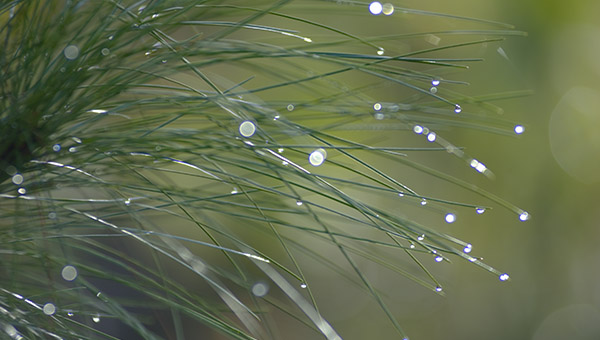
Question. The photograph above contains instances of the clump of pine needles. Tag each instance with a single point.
(168, 167)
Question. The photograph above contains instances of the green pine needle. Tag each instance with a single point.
(170, 165)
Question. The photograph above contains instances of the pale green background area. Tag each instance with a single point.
(552, 171)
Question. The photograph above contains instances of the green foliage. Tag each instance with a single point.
(186, 158)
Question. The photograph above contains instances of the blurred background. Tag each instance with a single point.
(552, 171)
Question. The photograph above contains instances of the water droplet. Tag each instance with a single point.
(303, 285)
(280, 150)
(439, 259)
(524, 216)
(479, 210)
(457, 108)
(375, 8)
(52, 215)
(290, 107)
(418, 129)
(299, 203)
(467, 249)
(435, 82)
(164, 61)
(276, 117)
(438, 289)
(155, 15)
(379, 116)
(433, 90)
(72, 149)
(388, 9)
(105, 51)
(519, 129)
(247, 128)
(450, 218)
(111, 37)
(377, 106)
(69, 273)
(401, 194)
(17, 179)
(473, 259)
(71, 52)
(421, 237)
(504, 277)
(380, 51)
(431, 137)
(317, 157)
(128, 201)
(22, 191)
(96, 318)
(412, 246)
(70, 314)
(423, 201)
(56, 147)
(260, 289)
(477, 165)
(284, 163)
(49, 309)
(308, 40)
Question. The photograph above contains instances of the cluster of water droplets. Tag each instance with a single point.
(434, 84)
(477, 165)
(17, 179)
(377, 8)
(468, 248)
(421, 130)
(378, 114)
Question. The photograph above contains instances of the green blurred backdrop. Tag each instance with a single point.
(553, 171)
